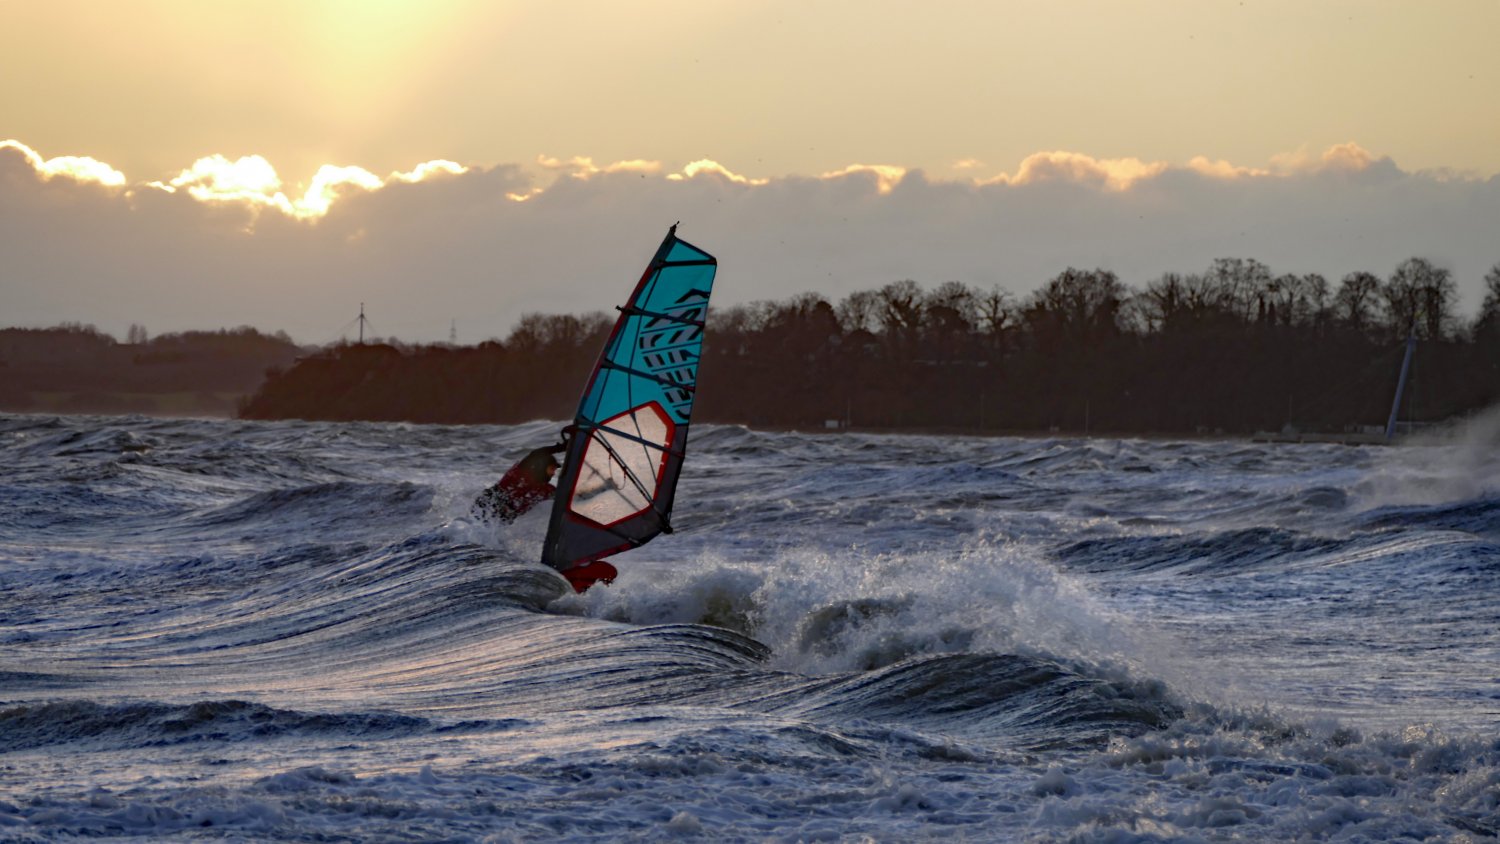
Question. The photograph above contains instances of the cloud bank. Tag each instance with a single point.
(228, 242)
(73, 167)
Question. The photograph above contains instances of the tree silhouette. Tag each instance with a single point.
(1232, 349)
(1418, 298)
(1357, 299)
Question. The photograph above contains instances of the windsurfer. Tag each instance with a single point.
(522, 487)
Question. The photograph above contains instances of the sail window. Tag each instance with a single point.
(622, 465)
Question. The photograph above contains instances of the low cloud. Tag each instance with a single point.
(228, 242)
(1347, 158)
(1115, 174)
(429, 169)
(705, 167)
(886, 176)
(1221, 169)
(253, 182)
(583, 167)
(77, 168)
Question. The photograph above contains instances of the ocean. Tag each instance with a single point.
(223, 630)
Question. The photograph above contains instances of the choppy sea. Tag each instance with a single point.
(221, 630)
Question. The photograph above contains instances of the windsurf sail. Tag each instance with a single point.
(619, 478)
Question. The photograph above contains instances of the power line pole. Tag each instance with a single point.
(361, 323)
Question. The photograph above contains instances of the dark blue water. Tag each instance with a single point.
(224, 630)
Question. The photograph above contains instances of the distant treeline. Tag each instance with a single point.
(74, 368)
(1234, 349)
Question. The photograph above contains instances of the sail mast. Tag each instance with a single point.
(1411, 345)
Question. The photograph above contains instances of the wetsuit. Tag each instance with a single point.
(524, 486)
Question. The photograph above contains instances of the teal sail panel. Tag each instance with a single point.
(619, 478)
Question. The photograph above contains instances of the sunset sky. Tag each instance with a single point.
(206, 164)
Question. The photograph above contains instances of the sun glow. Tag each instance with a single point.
(75, 167)
(1347, 157)
(583, 167)
(1222, 169)
(215, 178)
(429, 169)
(886, 176)
(1116, 174)
(253, 181)
(714, 168)
(1121, 174)
(327, 184)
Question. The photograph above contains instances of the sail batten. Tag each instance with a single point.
(646, 443)
(619, 477)
(665, 380)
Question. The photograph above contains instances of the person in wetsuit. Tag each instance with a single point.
(527, 484)
(523, 486)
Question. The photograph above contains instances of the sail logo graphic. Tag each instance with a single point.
(668, 346)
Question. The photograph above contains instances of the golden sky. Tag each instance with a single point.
(204, 163)
(765, 88)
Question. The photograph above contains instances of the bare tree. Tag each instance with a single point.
(958, 298)
(1238, 285)
(1082, 304)
(1419, 298)
(1279, 299)
(1491, 292)
(1163, 300)
(1295, 299)
(1202, 295)
(1316, 290)
(857, 311)
(901, 307)
(950, 312)
(1357, 298)
(805, 313)
(535, 332)
(1488, 323)
(800, 307)
(997, 311)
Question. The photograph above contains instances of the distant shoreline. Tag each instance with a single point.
(76, 369)
(184, 405)
(806, 430)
